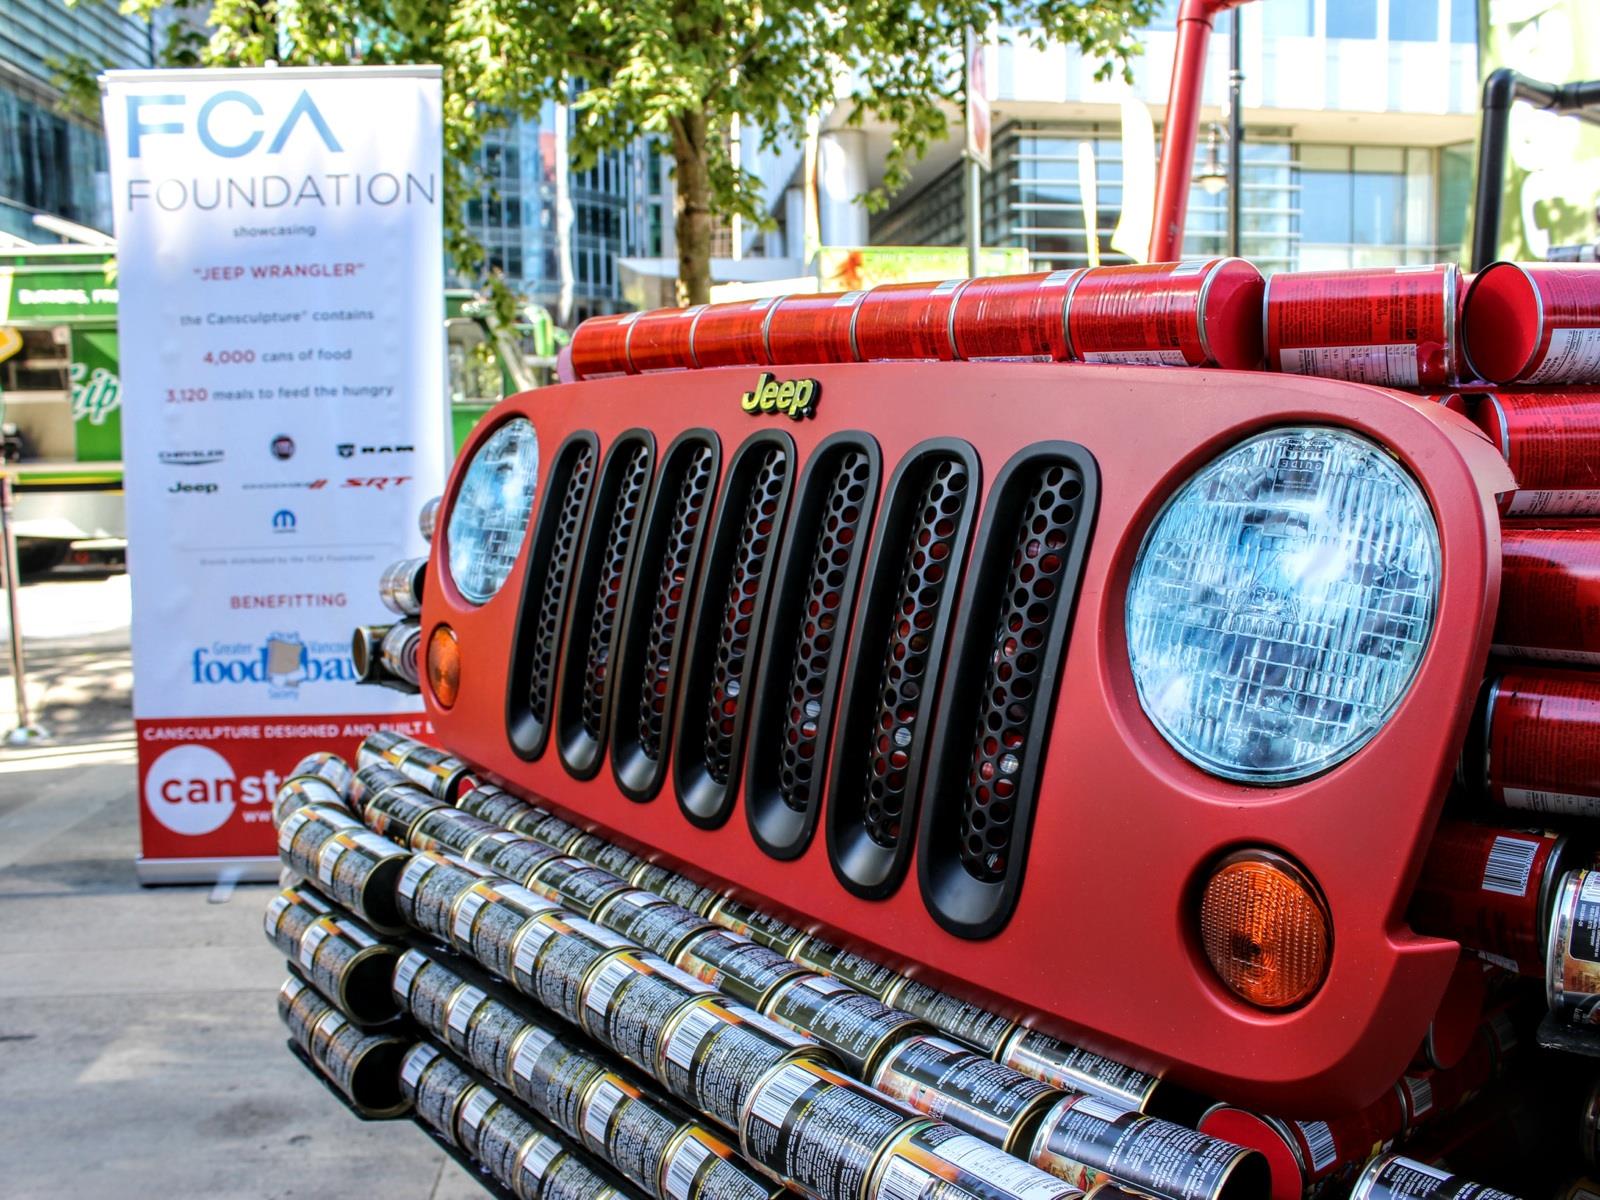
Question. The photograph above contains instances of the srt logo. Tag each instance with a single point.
(378, 482)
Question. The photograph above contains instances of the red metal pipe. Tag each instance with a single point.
(1183, 122)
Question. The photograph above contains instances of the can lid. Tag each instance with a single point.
(1502, 322)
(1264, 1134)
(1227, 311)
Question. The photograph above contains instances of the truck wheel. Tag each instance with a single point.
(36, 557)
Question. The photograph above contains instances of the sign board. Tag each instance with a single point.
(980, 122)
(282, 383)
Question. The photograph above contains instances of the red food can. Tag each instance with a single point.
(1303, 1155)
(1540, 741)
(600, 346)
(1430, 1095)
(1534, 323)
(1013, 318)
(907, 321)
(1551, 442)
(660, 340)
(1491, 890)
(1195, 314)
(1390, 326)
(731, 335)
(1458, 1018)
(812, 329)
(1549, 593)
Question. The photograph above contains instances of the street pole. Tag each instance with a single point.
(1235, 136)
(974, 215)
(26, 731)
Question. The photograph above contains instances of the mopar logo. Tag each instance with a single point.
(283, 521)
(230, 124)
(282, 664)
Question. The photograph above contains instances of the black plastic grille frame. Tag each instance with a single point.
(535, 650)
(656, 612)
(599, 583)
(896, 652)
(994, 725)
(800, 672)
(726, 628)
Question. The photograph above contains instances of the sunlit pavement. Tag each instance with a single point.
(140, 1049)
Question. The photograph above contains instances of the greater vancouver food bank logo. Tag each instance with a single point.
(282, 664)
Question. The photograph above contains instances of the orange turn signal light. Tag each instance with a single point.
(444, 665)
(1266, 929)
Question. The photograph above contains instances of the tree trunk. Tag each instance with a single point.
(692, 209)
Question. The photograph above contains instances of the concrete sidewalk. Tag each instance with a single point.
(140, 1049)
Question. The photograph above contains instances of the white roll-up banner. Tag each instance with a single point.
(281, 327)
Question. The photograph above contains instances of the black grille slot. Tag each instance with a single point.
(813, 596)
(660, 596)
(895, 657)
(545, 593)
(989, 744)
(719, 666)
(599, 583)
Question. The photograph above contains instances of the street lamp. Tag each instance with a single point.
(1212, 178)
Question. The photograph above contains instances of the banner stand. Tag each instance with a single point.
(153, 872)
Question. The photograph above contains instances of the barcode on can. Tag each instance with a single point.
(597, 1116)
(476, 1107)
(605, 986)
(405, 971)
(780, 1093)
(461, 928)
(1012, 1175)
(691, 1031)
(529, 945)
(1509, 864)
(327, 857)
(463, 1006)
(416, 1062)
(1319, 1140)
(539, 1158)
(685, 1165)
(312, 938)
(1420, 1089)
(412, 875)
(529, 1051)
(276, 909)
(902, 1181)
(1106, 1110)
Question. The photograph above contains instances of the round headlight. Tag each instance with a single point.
(491, 511)
(1281, 603)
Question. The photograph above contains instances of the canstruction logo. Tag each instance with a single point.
(282, 664)
(192, 790)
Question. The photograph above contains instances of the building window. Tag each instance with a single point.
(1287, 18)
(1356, 18)
(1369, 206)
(1464, 21)
(1413, 21)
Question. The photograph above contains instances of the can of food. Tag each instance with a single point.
(1459, 1017)
(556, 832)
(512, 855)
(490, 803)
(680, 889)
(1491, 890)
(955, 1084)
(449, 829)
(713, 1051)
(629, 1000)
(406, 969)
(551, 1075)
(812, 328)
(372, 778)
(400, 586)
(364, 1066)
(1572, 979)
(659, 340)
(699, 1165)
(732, 334)
(977, 1027)
(1308, 1157)
(570, 1176)
(436, 1084)
(298, 1007)
(1083, 1138)
(400, 650)
(476, 1105)
(460, 1010)
(733, 964)
(1075, 1070)
(817, 1130)
(576, 885)
(763, 928)
(347, 963)
(441, 774)
(1204, 312)
(933, 1159)
(600, 346)
(326, 766)
(1394, 1177)
(598, 852)
(1430, 1094)
(1390, 326)
(500, 1135)
(302, 790)
(488, 918)
(907, 321)
(492, 1035)
(382, 747)
(651, 921)
(289, 914)
(427, 890)
(1550, 440)
(537, 1159)
(627, 1129)
(430, 988)
(858, 1030)
(1541, 741)
(1549, 593)
(395, 811)
(1013, 318)
(1534, 323)
(303, 833)
(861, 973)
(360, 870)
(553, 954)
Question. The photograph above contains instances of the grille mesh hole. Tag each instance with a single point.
(1012, 684)
(924, 580)
(608, 588)
(836, 540)
(687, 517)
(548, 628)
(756, 536)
